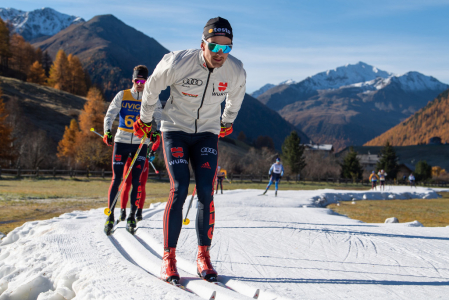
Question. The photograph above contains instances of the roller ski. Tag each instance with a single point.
(131, 225)
(264, 193)
(109, 225)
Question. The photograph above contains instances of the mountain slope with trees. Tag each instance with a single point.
(430, 121)
(108, 49)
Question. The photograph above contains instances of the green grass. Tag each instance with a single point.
(430, 212)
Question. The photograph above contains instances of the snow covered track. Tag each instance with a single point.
(286, 246)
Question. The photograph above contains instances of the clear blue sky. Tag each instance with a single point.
(279, 40)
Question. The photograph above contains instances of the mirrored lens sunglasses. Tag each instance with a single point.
(217, 47)
(141, 81)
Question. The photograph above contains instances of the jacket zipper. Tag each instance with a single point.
(202, 101)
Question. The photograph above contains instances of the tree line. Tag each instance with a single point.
(20, 60)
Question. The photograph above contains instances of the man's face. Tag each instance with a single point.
(215, 59)
(139, 84)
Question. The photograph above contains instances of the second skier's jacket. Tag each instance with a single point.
(127, 103)
(195, 92)
(276, 169)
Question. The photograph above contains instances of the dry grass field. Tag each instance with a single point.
(430, 212)
(39, 199)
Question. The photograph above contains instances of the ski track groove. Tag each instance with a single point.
(153, 252)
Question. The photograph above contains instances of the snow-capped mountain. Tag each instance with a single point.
(37, 23)
(352, 103)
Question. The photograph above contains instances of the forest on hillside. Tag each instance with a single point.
(430, 121)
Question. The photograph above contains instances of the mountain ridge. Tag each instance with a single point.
(38, 23)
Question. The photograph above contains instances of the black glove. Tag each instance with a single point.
(154, 135)
(107, 138)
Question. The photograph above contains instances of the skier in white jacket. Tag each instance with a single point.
(200, 80)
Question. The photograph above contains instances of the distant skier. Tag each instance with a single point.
(200, 80)
(141, 194)
(373, 178)
(411, 178)
(382, 174)
(126, 104)
(276, 171)
(220, 176)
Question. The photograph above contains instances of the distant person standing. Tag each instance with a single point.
(411, 178)
(373, 178)
(220, 176)
(382, 174)
(276, 171)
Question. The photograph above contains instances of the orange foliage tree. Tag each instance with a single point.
(6, 145)
(90, 149)
(59, 72)
(23, 54)
(77, 80)
(67, 146)
(36, 74)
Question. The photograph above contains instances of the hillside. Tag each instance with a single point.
(108, 49)
(47, 108)
(428, 122)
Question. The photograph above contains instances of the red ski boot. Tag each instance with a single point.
(204, 266)
(169, 272)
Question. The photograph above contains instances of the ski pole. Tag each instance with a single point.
(107, 210)
(157, 172)
(93, 130)
(186, 221)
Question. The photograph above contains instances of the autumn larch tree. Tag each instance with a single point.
(36, 74)
(67, 146)
(59, 72)
(90, 149)
(6, 146)
(76, 79)
(23, 54)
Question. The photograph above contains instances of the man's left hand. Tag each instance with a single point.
(226, 129)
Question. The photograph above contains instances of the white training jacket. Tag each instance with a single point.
(114, 109)
(195, 92)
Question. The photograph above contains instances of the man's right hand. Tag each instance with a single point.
(141, 129)
(107, 138)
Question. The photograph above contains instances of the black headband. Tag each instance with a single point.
(140, 73)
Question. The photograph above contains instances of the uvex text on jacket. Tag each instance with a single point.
(127, 103)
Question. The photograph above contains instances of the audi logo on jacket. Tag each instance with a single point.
(194, 107)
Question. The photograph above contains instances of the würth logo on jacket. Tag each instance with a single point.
(177, 152)
(206, 165)
(222, 86)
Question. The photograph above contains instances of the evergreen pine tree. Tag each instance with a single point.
(388, 161)
(293, 153)
(5, 51)
(423, 170)
(59, 72)
(351, 167)
(46, 63)
(36, 74)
